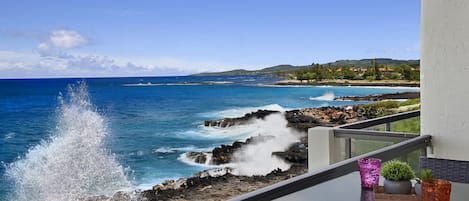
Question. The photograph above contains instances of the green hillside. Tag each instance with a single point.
(286, 69)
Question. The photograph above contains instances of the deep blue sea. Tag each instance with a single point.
(148, 122)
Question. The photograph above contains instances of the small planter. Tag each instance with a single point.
(397, 177)
(397, 187)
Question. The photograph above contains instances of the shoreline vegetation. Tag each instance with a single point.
(221, 184)
(345, 82)
(364, 72)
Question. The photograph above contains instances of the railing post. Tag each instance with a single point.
(322, 147)
(348, 147)
(387, 126)
(423, 151)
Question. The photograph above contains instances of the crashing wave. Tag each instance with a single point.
(73, 162)
(328, 96)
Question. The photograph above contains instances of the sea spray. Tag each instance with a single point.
(257, 158)
(328, 96)
(271, 135)
(73, 162)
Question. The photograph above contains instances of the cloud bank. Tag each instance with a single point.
(67, 39)
(55, 55)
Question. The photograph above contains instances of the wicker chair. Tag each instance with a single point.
(452, 170)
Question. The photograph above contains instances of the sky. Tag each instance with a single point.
(179, 37)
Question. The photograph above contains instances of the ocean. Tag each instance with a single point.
(131, 132)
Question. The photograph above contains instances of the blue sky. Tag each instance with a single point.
(178, 37)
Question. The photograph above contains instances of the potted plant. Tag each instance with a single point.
(397, 177)
(424, 174)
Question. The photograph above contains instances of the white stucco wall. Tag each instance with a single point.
(445, 76)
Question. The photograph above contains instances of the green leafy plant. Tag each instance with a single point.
(425, 174)
(397, 171)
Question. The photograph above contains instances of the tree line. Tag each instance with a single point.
(373, 71)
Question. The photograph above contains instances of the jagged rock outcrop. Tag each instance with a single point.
(306, 118)
(198, 157)
(227, 122)
(296, 153)
(224, 153)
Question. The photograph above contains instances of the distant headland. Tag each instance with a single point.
(366, 72)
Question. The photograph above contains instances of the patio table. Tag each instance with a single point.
(348, 188)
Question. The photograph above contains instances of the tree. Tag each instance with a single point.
(406, 71)
(300, 75)
(415, 74)
(317, 69)
(370, 72)
(347, 73)
(378, 73)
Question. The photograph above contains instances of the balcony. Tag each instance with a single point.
(333, 154)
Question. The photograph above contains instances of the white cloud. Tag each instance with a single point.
(46, 62)
(43, 46)
(15, 60)
(53, 56)
(67, 39)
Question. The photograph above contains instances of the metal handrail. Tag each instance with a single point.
(333, 171)
(372, 135)
(381, 120)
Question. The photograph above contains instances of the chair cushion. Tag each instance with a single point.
(452, 170)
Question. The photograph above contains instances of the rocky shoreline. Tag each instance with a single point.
(222, 184)
(227, 122)
(216, 188)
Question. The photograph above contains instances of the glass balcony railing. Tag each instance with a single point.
(390, 137)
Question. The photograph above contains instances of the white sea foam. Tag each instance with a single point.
(285, 86)
(328, 96)
(217, 82)
(233, 132)
(183, 84)
(162, 84)
(190, 161)
(9, 136)
(148, 84)
(241, 111)
(179, 149)
(256, 158)
(73, 162)
(149, 183)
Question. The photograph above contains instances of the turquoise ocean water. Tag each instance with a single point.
(141, 125)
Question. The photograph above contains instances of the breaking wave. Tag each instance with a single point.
(256, 158)
(73, 162)
(328, 96)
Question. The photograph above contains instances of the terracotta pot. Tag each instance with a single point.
(436, 189)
